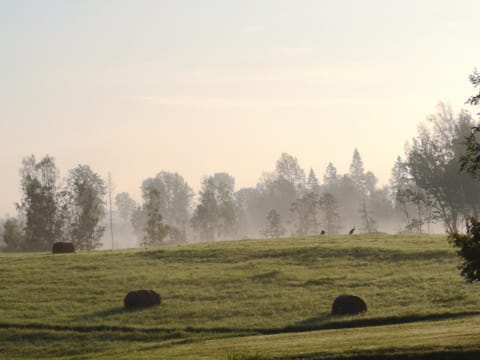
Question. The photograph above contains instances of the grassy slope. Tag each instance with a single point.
(71, 304)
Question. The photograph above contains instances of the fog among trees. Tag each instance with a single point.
(427, 192)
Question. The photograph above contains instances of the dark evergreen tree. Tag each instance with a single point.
(330, 177)
(312, 182)
(357, 172)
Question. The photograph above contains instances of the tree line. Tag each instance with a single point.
(50, 210)
(426, 188)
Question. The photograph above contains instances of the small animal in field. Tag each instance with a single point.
(351, 231)
(322, 232)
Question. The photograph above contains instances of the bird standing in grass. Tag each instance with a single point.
(351, 231)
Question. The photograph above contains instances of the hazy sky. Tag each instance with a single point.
(197, 87)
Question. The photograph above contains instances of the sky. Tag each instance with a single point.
(197, 87)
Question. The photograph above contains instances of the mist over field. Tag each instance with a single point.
(220, 96)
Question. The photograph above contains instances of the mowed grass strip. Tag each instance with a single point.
(430, 339)
(224, 289)
(421, 338)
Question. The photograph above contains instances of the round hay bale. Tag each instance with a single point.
(63, 248)
(348, 305)
(140, 299)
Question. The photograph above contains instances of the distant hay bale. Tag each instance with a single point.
(63, 248)
(140, 299)
(348, 305)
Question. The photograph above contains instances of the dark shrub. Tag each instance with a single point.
(348, 305)
(63, 248)
(140, 299)
(469, 249)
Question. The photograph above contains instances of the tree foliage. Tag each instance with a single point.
(125, 206)
(13, 235)
(365, 185)
(216, 213)
(85, 206)
(273, 227)
(475, 80)
(288, 169)
(357, 172)
(276, 193)
(312, 182)
(175, 196)
(400, 185)
(469, 243)
(48, 213)
(331, 219)
(469, 250)
(369, 224)
(470, 160)
(251, 212)
(155, 230)
(433, 164)
(330, 177)
(138, 220)
(305, 210)
(39, 203)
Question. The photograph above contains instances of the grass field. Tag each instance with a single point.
(238, 300)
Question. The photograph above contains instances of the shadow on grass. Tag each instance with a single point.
(86, 328)
(108, 313)
(453, 354)
(447, 355)
(100, 314)
(322, 322)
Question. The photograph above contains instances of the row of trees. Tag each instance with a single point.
(284, 201)
(428, 184)
(51, 211)
(426, 187)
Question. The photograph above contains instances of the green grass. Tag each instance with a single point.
(249, 299)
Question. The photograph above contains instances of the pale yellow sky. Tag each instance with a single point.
(135, 88)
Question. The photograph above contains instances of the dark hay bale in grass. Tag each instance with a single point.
(140, 299)
(63, 248)
(348, 305)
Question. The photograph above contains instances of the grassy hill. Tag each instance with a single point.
(249, 299)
